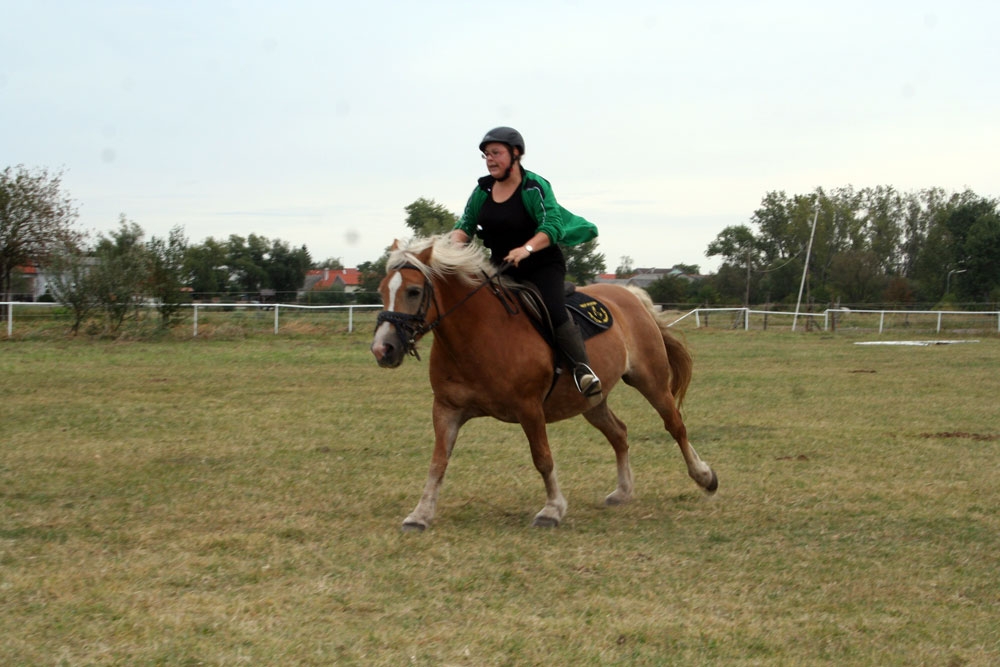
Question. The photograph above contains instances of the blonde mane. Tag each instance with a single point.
(467, 262)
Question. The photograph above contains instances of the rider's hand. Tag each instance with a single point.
(517, 255)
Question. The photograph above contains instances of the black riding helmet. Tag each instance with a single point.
(503, 135)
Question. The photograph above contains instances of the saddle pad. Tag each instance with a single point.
(590, 314)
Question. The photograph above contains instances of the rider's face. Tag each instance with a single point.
(497, 158)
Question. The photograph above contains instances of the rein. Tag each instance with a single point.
(411, 328)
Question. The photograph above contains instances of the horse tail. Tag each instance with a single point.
(680, 362)
(677, 353)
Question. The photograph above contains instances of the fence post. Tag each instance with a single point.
(350, 319)
(746, 319)
(881, 320)
(939, 322)
(697, 319)
(10, 320)
(276, 306)
(195, 321)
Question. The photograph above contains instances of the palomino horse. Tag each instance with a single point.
(487, 360)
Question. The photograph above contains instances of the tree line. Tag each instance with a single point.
(863, 246)
(873, 245)
(122, 272)
(108, 279)
(852, 246)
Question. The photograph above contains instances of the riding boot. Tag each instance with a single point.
(570, 341)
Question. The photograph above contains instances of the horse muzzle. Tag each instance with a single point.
(387, 355)
(388, 346)
(396, 336)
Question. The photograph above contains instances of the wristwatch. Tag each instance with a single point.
(529, 249)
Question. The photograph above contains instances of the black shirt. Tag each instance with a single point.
(507, 225)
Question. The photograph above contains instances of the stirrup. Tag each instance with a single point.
(587, 382)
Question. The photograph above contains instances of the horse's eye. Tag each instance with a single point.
(413, 292)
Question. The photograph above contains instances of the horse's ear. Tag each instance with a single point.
(395, 245)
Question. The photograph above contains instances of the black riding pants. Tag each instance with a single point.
(550, 279)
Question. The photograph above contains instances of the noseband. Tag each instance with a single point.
(411, 328)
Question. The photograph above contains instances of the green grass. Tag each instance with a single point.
(239, 501)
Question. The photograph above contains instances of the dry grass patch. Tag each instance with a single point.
(226, 502)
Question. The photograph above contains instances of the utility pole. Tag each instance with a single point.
(746, 299)
(805, 269)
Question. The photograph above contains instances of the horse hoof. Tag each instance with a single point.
(712, 485)
(413, 527)
(615, 499)
(545, 522)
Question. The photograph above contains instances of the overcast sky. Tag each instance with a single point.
(662, 122)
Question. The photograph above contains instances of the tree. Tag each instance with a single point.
(286, 267)
(982, 258)
(728, 285)
(371, 275)
(166, 278)
(687, 269)
(120, 273)
(255, 263)
(898, 291)
(738, 246)
(35, 220)
(949, 243)
(668, 289)
(333, 295)
(774, 220)
(882, 227)
(583, 262)
(206, 269)
(245, 260)
(68, 267)
(427, 218)
(329, 263)
(857, 276)
(626, 268)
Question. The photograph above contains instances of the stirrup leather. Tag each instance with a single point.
(587, 382)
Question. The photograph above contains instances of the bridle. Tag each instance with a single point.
(412, 327)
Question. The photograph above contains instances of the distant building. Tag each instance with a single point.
(324, 279)
(641, 278)
(33, 283)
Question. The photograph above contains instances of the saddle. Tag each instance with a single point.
(591, 316)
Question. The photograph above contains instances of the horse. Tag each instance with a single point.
(487, 359)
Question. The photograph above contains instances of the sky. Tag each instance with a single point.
(662, 122)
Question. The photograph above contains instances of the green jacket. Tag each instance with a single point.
(561, 226)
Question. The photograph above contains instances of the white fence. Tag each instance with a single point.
(12, 306)
(745, 318)
(831, 318)
(288, 306)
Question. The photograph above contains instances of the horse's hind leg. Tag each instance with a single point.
(698, 470)
(659, 396)
(615, 431)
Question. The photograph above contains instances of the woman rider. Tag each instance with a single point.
(518, 218)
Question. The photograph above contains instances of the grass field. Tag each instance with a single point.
(238, 501)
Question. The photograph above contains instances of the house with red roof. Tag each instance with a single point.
(33, 283)
(324, 279)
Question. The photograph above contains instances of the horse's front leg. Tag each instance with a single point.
(555, 505)
(447, 421)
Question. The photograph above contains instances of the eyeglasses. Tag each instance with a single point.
(495, 153)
